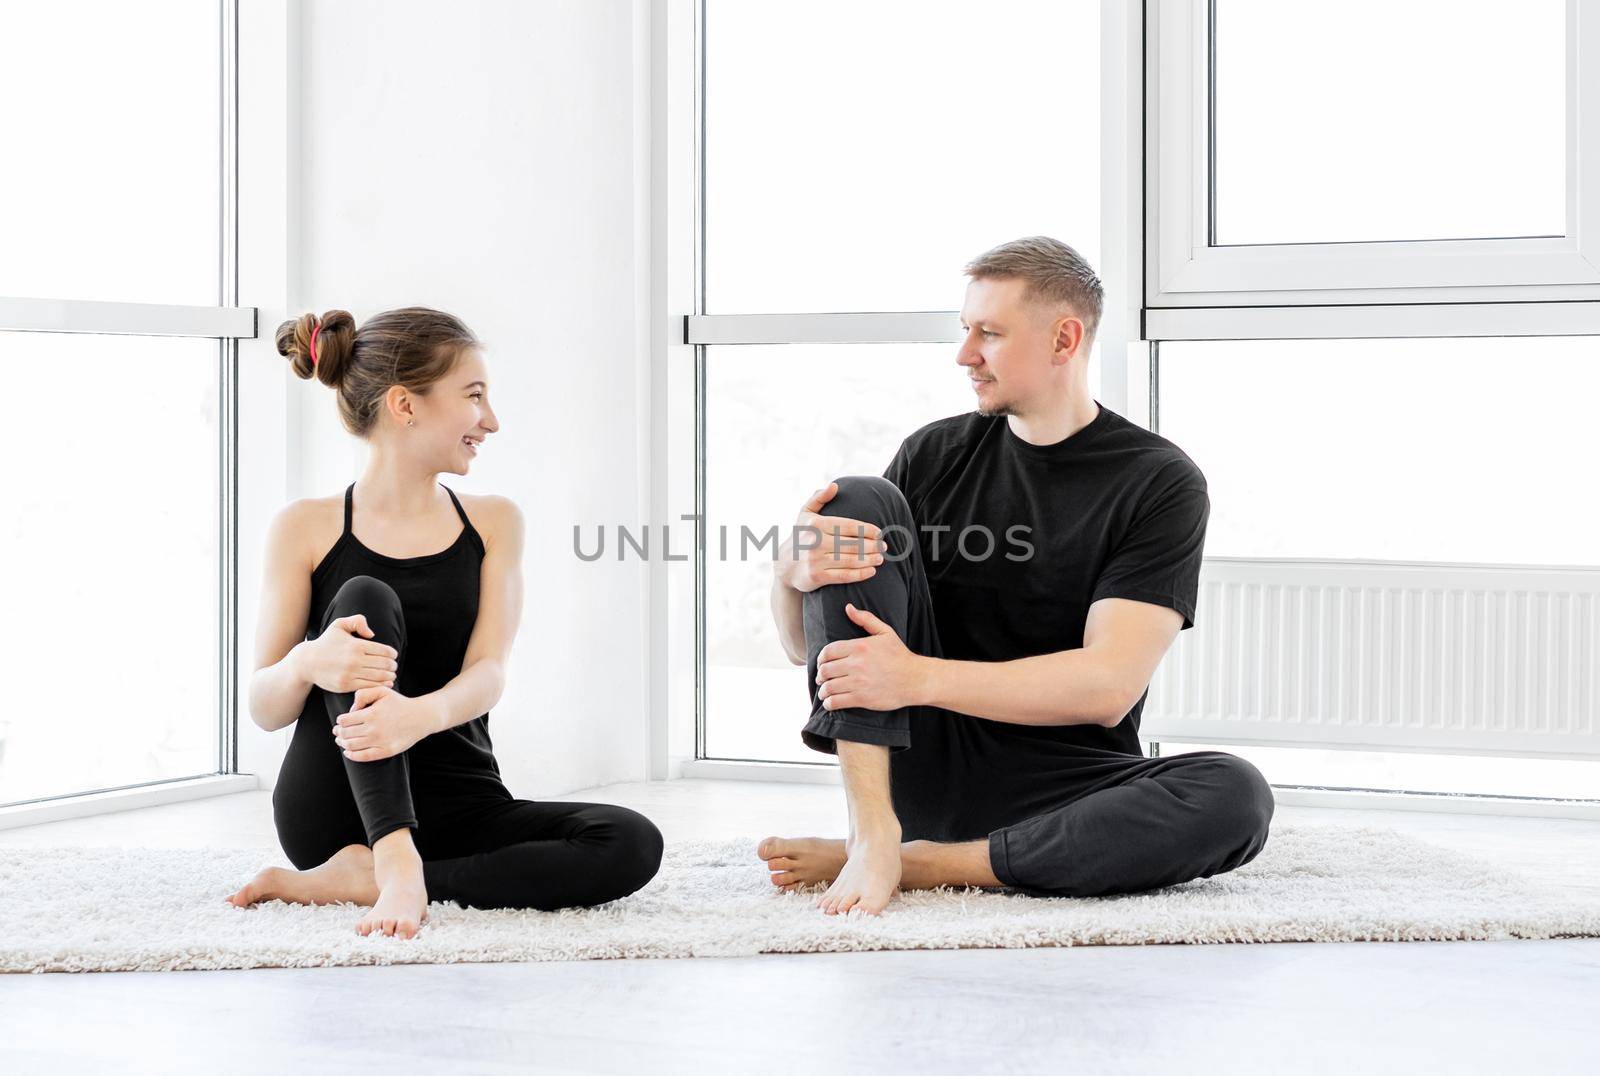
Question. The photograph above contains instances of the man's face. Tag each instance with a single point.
(1010, 345)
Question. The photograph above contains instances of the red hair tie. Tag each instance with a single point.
(314, 333)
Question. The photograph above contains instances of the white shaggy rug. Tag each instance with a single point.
(148, 909)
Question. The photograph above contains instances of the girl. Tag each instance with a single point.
(390, 794)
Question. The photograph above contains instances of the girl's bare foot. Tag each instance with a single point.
(346, 877)
(802, 861)
(402, 904)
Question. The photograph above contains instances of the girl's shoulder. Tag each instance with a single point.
(495, 517)
(305, 530)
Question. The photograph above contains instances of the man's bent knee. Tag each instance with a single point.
(1243, 802)
(874, 500)
(870, 498)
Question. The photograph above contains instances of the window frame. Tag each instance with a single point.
(1130, 336)
(696, 331)
(227, 323)
(1194, 290)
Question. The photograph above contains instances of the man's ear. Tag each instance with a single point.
(1068, 337)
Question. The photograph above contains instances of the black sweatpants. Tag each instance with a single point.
(1060, 819)
(480, 846)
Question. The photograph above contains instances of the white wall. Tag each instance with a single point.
(483, 158)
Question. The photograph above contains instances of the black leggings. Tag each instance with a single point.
(480, 847)
(1060, 819)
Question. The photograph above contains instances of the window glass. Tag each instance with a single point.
(878, 147)
(111, 188)
(1388, 120)
(1415, 771)
(782, 422)
(109, 643)
(1455, 450)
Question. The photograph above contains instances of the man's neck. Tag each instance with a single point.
(1059, 421)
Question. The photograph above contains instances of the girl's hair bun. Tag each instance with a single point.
(334, 340)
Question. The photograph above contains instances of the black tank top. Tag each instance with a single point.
(439, 596)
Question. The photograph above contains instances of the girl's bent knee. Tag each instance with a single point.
(631, 856)
(366, 594)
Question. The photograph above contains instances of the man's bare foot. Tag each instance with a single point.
(346, 876)
(801, 861)
(870, 875)
(402, 904)
(796, 862)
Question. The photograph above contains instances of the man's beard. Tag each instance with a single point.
(996, 411)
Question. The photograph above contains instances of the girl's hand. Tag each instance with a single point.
(382, 723)
(344, 658)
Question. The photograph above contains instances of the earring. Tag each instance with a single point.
(409, 423)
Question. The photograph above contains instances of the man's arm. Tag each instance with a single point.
(1096, 684)
(787, 614)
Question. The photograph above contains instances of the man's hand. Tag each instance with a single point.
(874, 673)
(383, 723)
(815, 558)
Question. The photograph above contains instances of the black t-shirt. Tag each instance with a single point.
(1113, 511)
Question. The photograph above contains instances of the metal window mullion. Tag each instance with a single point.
(228, 406)
(699, 231)
(887, 327)
(1154, 400)
(701, 628)
(125, 319)
(1373, 321)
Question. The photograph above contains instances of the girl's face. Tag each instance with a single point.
(456, 415)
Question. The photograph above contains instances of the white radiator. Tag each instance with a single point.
(1386, 656)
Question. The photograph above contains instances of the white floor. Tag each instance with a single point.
(1490, 1007)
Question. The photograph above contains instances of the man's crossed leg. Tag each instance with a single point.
(865, 869)
(1121, 823)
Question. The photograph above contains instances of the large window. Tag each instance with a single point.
(118, 332)
(853, 171)
(1368, 314)
(1372, 314)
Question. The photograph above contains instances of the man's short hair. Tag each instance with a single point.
(1054, 271)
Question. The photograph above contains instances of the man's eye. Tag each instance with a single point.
(986, 332)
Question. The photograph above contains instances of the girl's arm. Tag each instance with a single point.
(280, 684)
(483, 671)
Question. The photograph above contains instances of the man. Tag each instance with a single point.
(979, 656)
